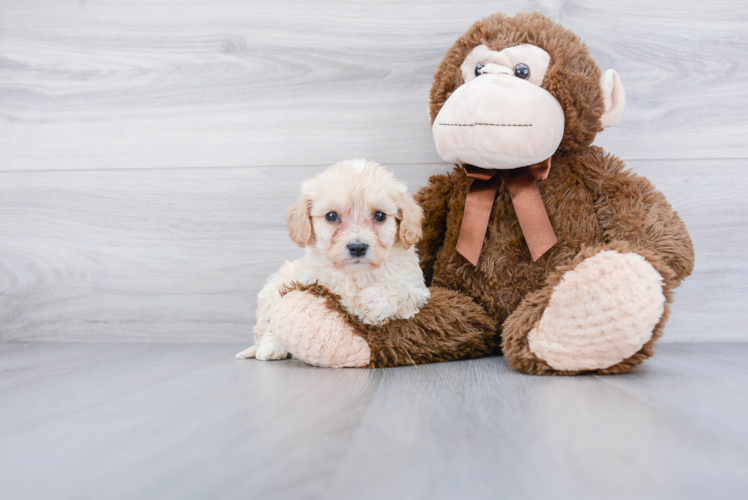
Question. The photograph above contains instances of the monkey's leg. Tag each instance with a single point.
(310, 322)
(601, 313)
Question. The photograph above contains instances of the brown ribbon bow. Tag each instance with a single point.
(533, 219)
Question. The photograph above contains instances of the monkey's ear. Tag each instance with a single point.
(299, 222)
(410, 216)
(615, 98)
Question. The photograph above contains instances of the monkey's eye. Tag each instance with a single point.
(478, 70)
(380, 216)
(332, 217)
(522, 70)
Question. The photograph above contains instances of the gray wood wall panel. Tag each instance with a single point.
(148, 149)
(148, 84)
(174, 255)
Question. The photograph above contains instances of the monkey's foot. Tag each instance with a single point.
(602, 312)
(306, 325)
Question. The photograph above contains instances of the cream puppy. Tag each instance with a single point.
(358, 225)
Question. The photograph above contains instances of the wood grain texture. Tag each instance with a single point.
(77, 420)
(168, 255)
(178, 255)
(146, 84)
(149, 151)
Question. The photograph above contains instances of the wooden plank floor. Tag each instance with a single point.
(188, 421)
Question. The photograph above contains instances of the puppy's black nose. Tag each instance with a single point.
(357, 249)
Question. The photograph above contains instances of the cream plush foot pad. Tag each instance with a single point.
(304, 325)
(601, 313)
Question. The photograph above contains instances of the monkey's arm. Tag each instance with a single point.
(631, 210)
(311, 323)
(434, 200)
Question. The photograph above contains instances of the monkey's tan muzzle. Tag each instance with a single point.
(498, 122)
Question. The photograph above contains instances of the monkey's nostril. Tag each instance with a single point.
(357, 249)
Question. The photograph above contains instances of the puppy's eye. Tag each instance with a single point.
(522, 70)
(332, 217)
(380, 216)
(479, 70)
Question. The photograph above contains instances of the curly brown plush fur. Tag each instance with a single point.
(593, 203)
(450, 327)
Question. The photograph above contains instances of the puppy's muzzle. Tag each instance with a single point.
(357, 249)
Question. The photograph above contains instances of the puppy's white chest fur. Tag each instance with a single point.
(395, 289)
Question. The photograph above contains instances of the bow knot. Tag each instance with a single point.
(531, 213)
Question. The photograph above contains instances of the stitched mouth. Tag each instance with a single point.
(476, 124)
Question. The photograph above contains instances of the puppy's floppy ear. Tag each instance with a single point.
(410, 216)
(299, 222)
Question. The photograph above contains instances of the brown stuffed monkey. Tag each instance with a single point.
(537, 245)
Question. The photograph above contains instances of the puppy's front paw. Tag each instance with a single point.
(270, 351)
(247, 353)
(372, 306)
